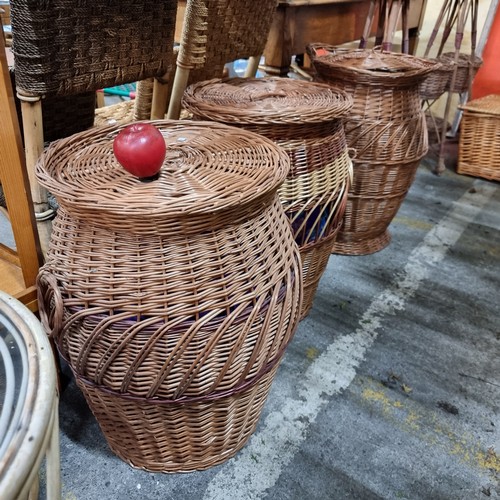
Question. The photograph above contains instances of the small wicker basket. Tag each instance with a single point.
(438, 81)
(479, 143)
(304, 119)
(466, 68)
(172, 301)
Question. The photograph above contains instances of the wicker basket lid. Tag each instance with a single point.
(489, 104)
(369, 66)
(266, 100)
(208, 167)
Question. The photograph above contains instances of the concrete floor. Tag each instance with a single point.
(389, 390)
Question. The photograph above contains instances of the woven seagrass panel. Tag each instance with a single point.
(63, 115)
(72, 46)
(220, 31)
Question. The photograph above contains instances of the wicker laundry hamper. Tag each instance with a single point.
(172, 301)
(305, 119)
(386, 127)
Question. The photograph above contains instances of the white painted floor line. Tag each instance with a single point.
(258, 466)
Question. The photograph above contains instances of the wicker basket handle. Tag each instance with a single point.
(352, 156)
(50, 303)
(265, 95)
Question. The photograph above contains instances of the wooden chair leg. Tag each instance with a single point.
(252, 66)
(31, 109)
(99, 99)
(160, 100)
(180, 83)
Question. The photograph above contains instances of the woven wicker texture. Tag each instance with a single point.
(438, 81)
(143, 99)
(173, 300)
(115, 114)
(388, 130)
(369, 66)
(314, 259)
(479, 144)
(388, 140)
(374, 199)
(466, 65)
(386, 122)
(64, 115)
(253, 101)
(216, 32)
(69, 47)
(303, 118)
(182, 428)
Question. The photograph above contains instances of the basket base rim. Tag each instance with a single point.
(184, 467)
(362, 247)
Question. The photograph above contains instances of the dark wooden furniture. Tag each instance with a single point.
(300, 22)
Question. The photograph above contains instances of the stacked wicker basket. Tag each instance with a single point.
(305, 119)
(172, 301)
(387, 129)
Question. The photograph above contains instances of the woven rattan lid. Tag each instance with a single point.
(266, 100)
(208, 167)
(489, 104)
(370, 66)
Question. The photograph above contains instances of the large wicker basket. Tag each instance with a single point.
(374, 200)
(387, 128)
(172, 301)
(386, 121)
(304, 119)
(479, 144)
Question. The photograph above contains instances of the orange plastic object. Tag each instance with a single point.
(487, 80)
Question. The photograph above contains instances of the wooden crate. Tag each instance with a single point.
(479, 145)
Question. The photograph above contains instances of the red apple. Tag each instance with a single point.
(140, 149)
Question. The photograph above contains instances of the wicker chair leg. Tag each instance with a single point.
(99, 99)
(252, 67)
(143, 99)
(159, 102)
(180, 84)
